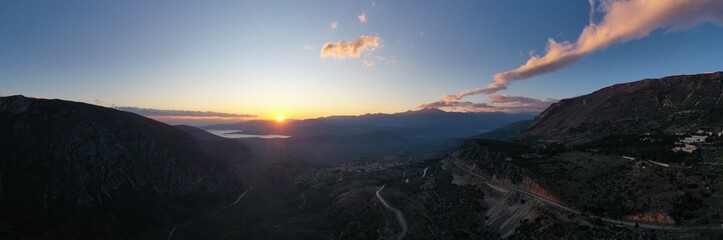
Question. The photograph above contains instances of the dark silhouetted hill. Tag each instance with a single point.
(71, 170)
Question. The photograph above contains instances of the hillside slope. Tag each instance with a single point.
(74, 170)
(507, 132)
(675, 104)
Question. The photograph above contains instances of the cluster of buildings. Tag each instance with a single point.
(689, 144)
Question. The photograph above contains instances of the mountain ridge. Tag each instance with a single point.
(450, 124)
(75, 169)
(674, 104)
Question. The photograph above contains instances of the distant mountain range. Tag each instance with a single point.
(676, 104)
(431, 122)
(78, 170)
(74, 170)
(339, 139)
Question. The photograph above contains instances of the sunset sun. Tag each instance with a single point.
(279, 118)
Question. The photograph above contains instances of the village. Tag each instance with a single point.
(692, 143)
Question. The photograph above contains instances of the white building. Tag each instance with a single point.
(695, 139)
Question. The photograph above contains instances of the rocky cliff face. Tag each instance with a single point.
(75, 170)
(671, 104)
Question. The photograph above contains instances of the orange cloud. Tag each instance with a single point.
(622, 21)
(351, 49)
(363, 17)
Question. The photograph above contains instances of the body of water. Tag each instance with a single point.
(239, 134)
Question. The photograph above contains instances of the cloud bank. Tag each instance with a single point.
(196, 118)
(622, 21)
(497, 103)
(351, 49)
(161, 112)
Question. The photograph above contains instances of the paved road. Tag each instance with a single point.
(523, 192)
(400, 216)
(570, 210)
(173, 230)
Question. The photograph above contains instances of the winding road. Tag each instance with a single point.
(400, 216)
(549, 202)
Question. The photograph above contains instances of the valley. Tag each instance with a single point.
(340, 179)
(361, 120)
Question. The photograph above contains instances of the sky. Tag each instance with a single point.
(235, 60)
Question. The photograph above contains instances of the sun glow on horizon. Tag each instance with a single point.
(279, 118)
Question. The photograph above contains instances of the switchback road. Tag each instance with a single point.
(400, 216)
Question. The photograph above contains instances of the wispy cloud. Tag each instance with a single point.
(186, 113)
(308, 47)
(368, 63)
(459, 105)
(334, 25)
(351, 49)
(387, 60)
(497, 103)
(187, 117)
(362, 17)
(591, 15)
(371, 62)
(622, 21)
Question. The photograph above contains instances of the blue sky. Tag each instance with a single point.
(249, 57)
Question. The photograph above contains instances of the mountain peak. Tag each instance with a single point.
(14, 104)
